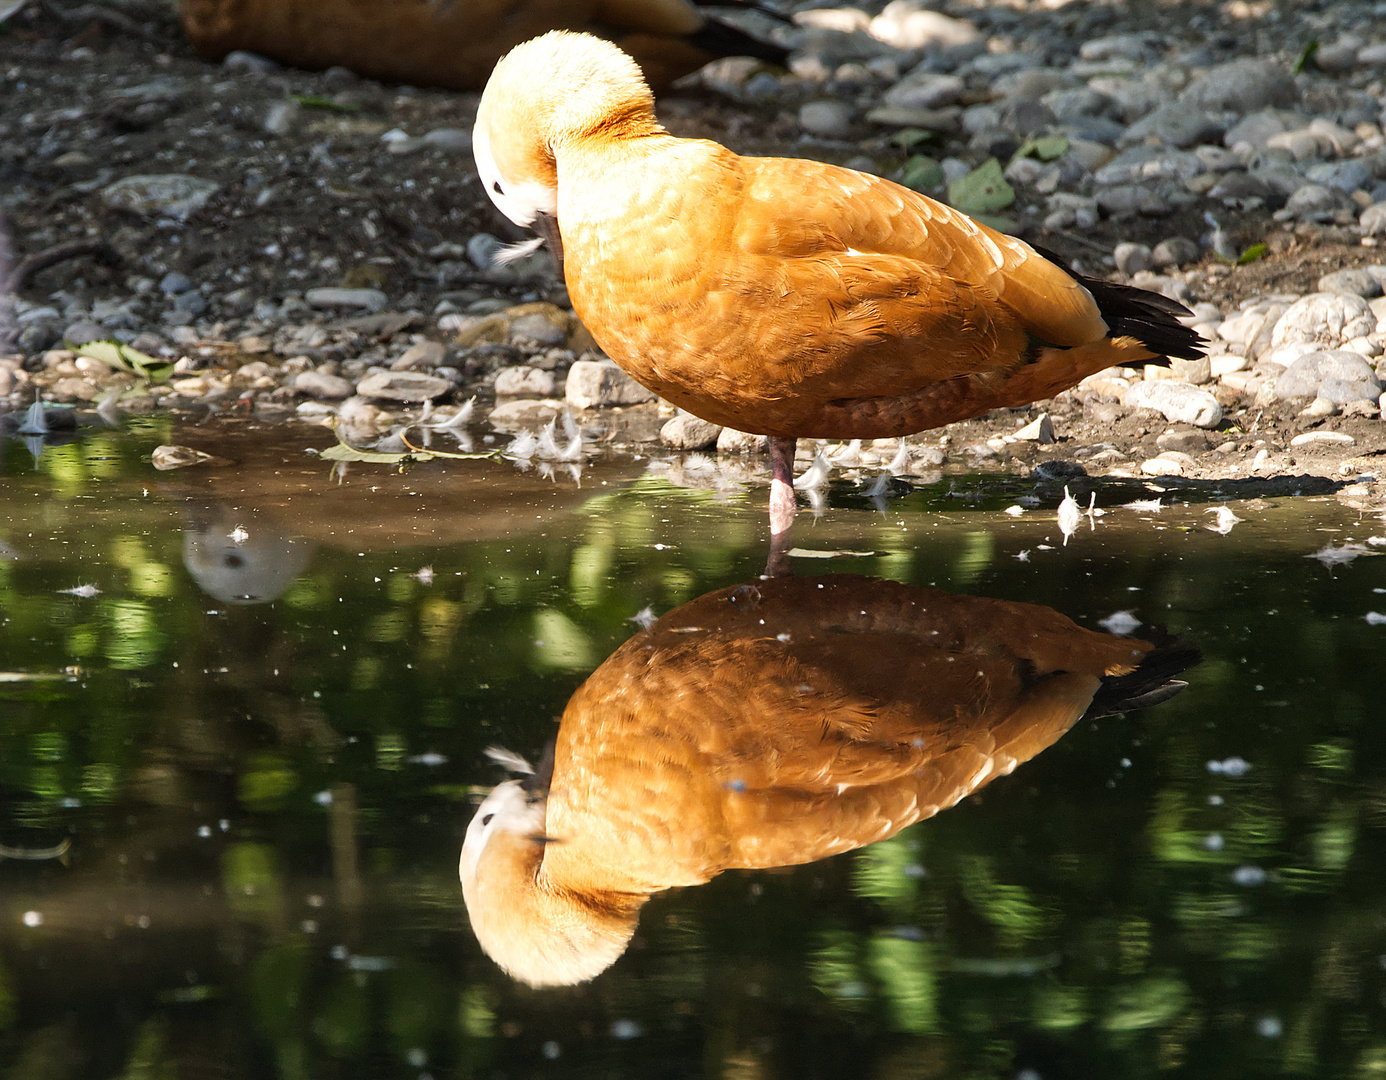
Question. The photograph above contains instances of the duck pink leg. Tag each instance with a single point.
(782, 507)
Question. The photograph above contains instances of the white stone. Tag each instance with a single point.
(1326, 318)
(328, 298)
(524, 381)
(1331, 438)
(402, 386)
(1179, 402)
(598, 383)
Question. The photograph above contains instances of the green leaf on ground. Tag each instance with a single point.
(909, 137)
(1045, 147)
(116, 354)
(1251, 254)
(921, 173)
(1306, 56)
(981, 191)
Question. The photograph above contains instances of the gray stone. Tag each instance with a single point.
(688, 432)
(453, 140)
(1323, 438)
(1242, 86)
(83, 331)
(1148, 163)
(194, 303)
(1180, 402)
(826, 119)
(924, 90)
(731, 441)
(330, 298)
(1354, 281)
(321, 385)
(1345, 176)
(524, 381)
(1327, 318)
(1352, 377)
(1126, 200)
(402, 386)
(1131, 258)
(1136, 46)
(1373, 220)
(1257, 128)
(173, 283)
(174, 195)
(522, 413)
(1175, 125)
(538, 328)
(598, 383)
(1315, 202)
(1346, 391)
(1176, 251)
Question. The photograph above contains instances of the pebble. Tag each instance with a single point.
(687, 432)
(321, 385)
(523, 381)
(827, 119)
(402, 386)
(1338, 375)
(422, 354)
(1326, 318)
(1323, 438)
(1179, 402)
(600, 383)
(731, 441)
(331, 298)
(174, 195)
(1357, 282)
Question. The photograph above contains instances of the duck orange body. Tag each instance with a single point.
(785, 297)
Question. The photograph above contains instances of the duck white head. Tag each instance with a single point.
(551, 89)
(541, 932)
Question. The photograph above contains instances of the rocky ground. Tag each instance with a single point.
(316, 247)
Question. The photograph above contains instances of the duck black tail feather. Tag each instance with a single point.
(1150, 317)
(1152, 682)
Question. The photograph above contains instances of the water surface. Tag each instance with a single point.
(244, 714)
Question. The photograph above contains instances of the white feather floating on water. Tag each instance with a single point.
(523, 446)
(1225, 522)
(35, 420)
(901, 461)
(644, 618)
(1341, 556)
(1069, 515)
(1119, 622)
(847, 456)
(815, 476)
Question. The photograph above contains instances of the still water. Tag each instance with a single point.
(244, 712)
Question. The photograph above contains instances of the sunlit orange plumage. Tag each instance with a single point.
(785, 297)
(769, 725)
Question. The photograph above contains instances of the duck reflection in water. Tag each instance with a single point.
(768, 725)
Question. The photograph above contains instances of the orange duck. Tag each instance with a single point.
(779, 296)
(769, 725)
(454, 44)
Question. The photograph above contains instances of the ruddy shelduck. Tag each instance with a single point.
(779, 296)
(454, 44)
(770, 725)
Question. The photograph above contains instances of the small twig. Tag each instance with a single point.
(42, 260)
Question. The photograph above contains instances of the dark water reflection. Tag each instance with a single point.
(265, 801)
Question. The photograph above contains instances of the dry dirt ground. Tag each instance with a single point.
(323, 202)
